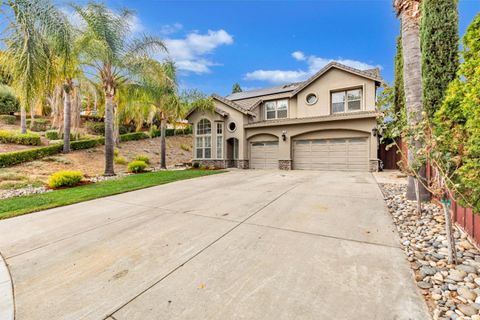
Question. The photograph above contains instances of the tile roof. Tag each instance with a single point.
(232, 104)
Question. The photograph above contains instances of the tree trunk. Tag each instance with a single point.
(67, 108)
(412, 77)
(23, 119)
(163, 148)
(417, 194)
(116, 127)
(109, 139)
(452, 251)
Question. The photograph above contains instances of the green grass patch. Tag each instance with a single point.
(22, 205)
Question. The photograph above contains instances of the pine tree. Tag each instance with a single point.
(439, 43)
(236, 88)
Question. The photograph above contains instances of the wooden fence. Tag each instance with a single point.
(464, 218)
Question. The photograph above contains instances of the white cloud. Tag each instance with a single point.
(135, 24)
(298, 55)
(171, 28)
(190, 53)
(314, 64)
(277, 76)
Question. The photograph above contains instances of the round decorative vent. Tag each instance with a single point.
(232, 126)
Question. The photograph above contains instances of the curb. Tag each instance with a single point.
(7, 304)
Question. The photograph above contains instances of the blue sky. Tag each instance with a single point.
(264, 43)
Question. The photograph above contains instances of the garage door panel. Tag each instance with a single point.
(264, 155)
(349, 154)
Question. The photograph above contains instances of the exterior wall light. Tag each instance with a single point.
(284, 135)
(374, 132)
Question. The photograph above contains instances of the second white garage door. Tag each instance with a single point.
(331, 154)
(264, 155)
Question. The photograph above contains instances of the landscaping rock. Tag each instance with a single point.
(467, 310)
(452, 292)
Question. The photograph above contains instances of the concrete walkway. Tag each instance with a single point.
(240, 245)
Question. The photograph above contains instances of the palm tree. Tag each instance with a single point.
(108, 49)
(409, 13)
(26, 56)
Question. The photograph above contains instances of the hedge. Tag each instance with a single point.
(134, 136)
(98, 128)
(7, 119)
(29, 139)
(39, 124)
(13, 158)
(171, 132)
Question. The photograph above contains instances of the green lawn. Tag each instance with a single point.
(22, 205)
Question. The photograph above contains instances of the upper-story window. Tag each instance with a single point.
(203, 139)
(346, 101)
(276, 109)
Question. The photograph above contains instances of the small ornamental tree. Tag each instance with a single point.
(439, 40)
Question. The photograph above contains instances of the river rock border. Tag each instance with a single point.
(451, 292)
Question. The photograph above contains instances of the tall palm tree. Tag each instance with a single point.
(110, 51)
(409, 13)
(26, 56)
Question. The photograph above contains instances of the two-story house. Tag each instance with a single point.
(327, 122)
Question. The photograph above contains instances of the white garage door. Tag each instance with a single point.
(264, 155)
(331, 154)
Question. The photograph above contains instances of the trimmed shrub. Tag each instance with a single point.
(143, 157)
(137, 166)
(120, 160)
(97, 128)
(65, 179)
(154, 132)
(185, 147)
(7, 119)
(39, 124)
(52, 135)
(8, 103)
(29, 139)
(134, 136)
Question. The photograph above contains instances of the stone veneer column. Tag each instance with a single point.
(243, 164)
(285, 164)
(373, 165)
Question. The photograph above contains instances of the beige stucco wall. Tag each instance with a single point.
(332, 129)
(332, 80)
(233, 115)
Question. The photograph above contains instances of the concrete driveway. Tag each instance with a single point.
(239, 245)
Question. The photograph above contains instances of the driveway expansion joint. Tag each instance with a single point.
(202, 250)
(326, 236)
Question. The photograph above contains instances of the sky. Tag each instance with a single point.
(265, 43)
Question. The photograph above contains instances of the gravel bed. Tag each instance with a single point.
(451, 292)
(5, 194)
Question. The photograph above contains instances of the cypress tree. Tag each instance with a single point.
(236, 88)
(439, 43)
(398, 90)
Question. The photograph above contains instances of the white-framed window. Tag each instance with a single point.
(346, 101)
(276, 109)
(203, 139)
(219, 140)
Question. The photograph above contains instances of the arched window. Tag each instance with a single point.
(203, 141)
